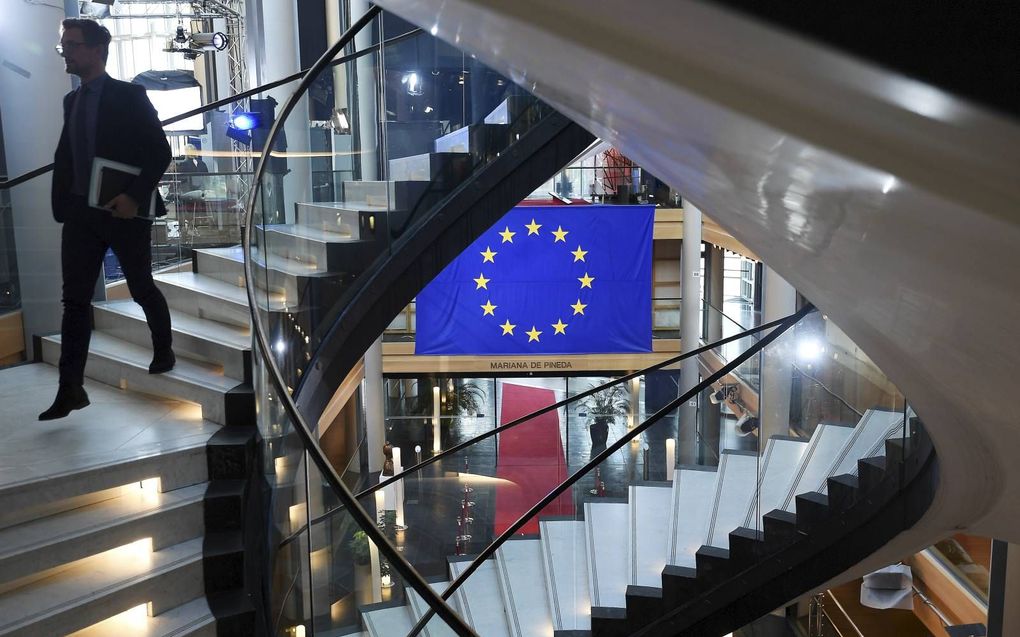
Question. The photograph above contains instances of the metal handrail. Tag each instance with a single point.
(567, 401)
(42, 170)
(411, 577)
(488, 552)
(513, 423)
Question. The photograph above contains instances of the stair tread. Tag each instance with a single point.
(607, 538)
(826, 443)
(90, 579)
(738, 478)
(566, 573)
(386, 622)
(275, 262)
(186, 370)
(693, 491)
(311, 233)
(779, 465)
(232, 336)
(867, 441)
(215, 288)
(436, 626)
(526, 604)
(479, 600)
(43, 533)
(649, 522)
(193, 618)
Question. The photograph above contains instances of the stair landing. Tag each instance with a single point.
(119, 426)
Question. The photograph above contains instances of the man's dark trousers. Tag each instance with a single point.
(87, 233)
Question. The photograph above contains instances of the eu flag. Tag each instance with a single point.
(546, 280)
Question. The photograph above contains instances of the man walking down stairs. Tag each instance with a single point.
(128, 518)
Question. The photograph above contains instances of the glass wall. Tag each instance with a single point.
(10, 295)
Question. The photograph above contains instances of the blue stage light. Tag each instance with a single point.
(245, 121)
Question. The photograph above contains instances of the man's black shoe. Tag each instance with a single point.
(69, 398)
(162, 361)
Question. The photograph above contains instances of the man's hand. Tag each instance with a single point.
(123, 206)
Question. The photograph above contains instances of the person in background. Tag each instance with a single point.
(113, 120)
(192, 163)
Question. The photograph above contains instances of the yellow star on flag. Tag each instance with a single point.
(481, 281)
(508, 236)
(532, 227)
(560, 327)
(488, 307)
(533, 334)
(579, 254)
(560, 234)
(508, 328)
(487, 256)
(579, 307)
(586, 280)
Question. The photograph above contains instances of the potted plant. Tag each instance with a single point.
(602, 408)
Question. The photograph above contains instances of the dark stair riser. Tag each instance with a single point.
(896, 503)
(235, 549)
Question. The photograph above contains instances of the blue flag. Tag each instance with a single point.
(546, 280)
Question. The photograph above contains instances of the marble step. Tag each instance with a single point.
(738, 478)
(779, 463)
(478, 600)
(168, 518)
(224, 400)
(607, 536)
(386, 619)
(565, 563)
(98, 587)
(193, 619)
(519, 564)
(417, 607)
(205, 297)
(694, 490)
(826, 443)
(204, 340)
(323, 251)
(867, 441)
(333, 217)
(649, 508)
(292, 283)
(385, 195)
(444, 170)
(177, 463)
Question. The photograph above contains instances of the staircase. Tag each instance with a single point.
(628, 562)
(152, 545)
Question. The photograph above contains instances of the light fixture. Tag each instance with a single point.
(245, 120)
(210, 41)
(809, 349)
(412, 82)
(340, 122)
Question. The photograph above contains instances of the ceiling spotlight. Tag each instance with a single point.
(210, 41)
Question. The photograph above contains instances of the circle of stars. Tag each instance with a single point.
(489, 256)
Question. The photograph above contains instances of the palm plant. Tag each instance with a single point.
(603, 407)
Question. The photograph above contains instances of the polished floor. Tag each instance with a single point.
(118, 426)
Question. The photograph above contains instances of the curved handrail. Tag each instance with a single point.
(567, 401)
(488, 552)
(7, 184)
(361, 517)
(527, 417)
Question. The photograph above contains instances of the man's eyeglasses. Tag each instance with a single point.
(67, 47)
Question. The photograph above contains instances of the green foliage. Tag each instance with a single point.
(607, 404)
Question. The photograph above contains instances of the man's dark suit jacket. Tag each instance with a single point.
(127, 131)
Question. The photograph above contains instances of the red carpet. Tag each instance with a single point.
(530, 459)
